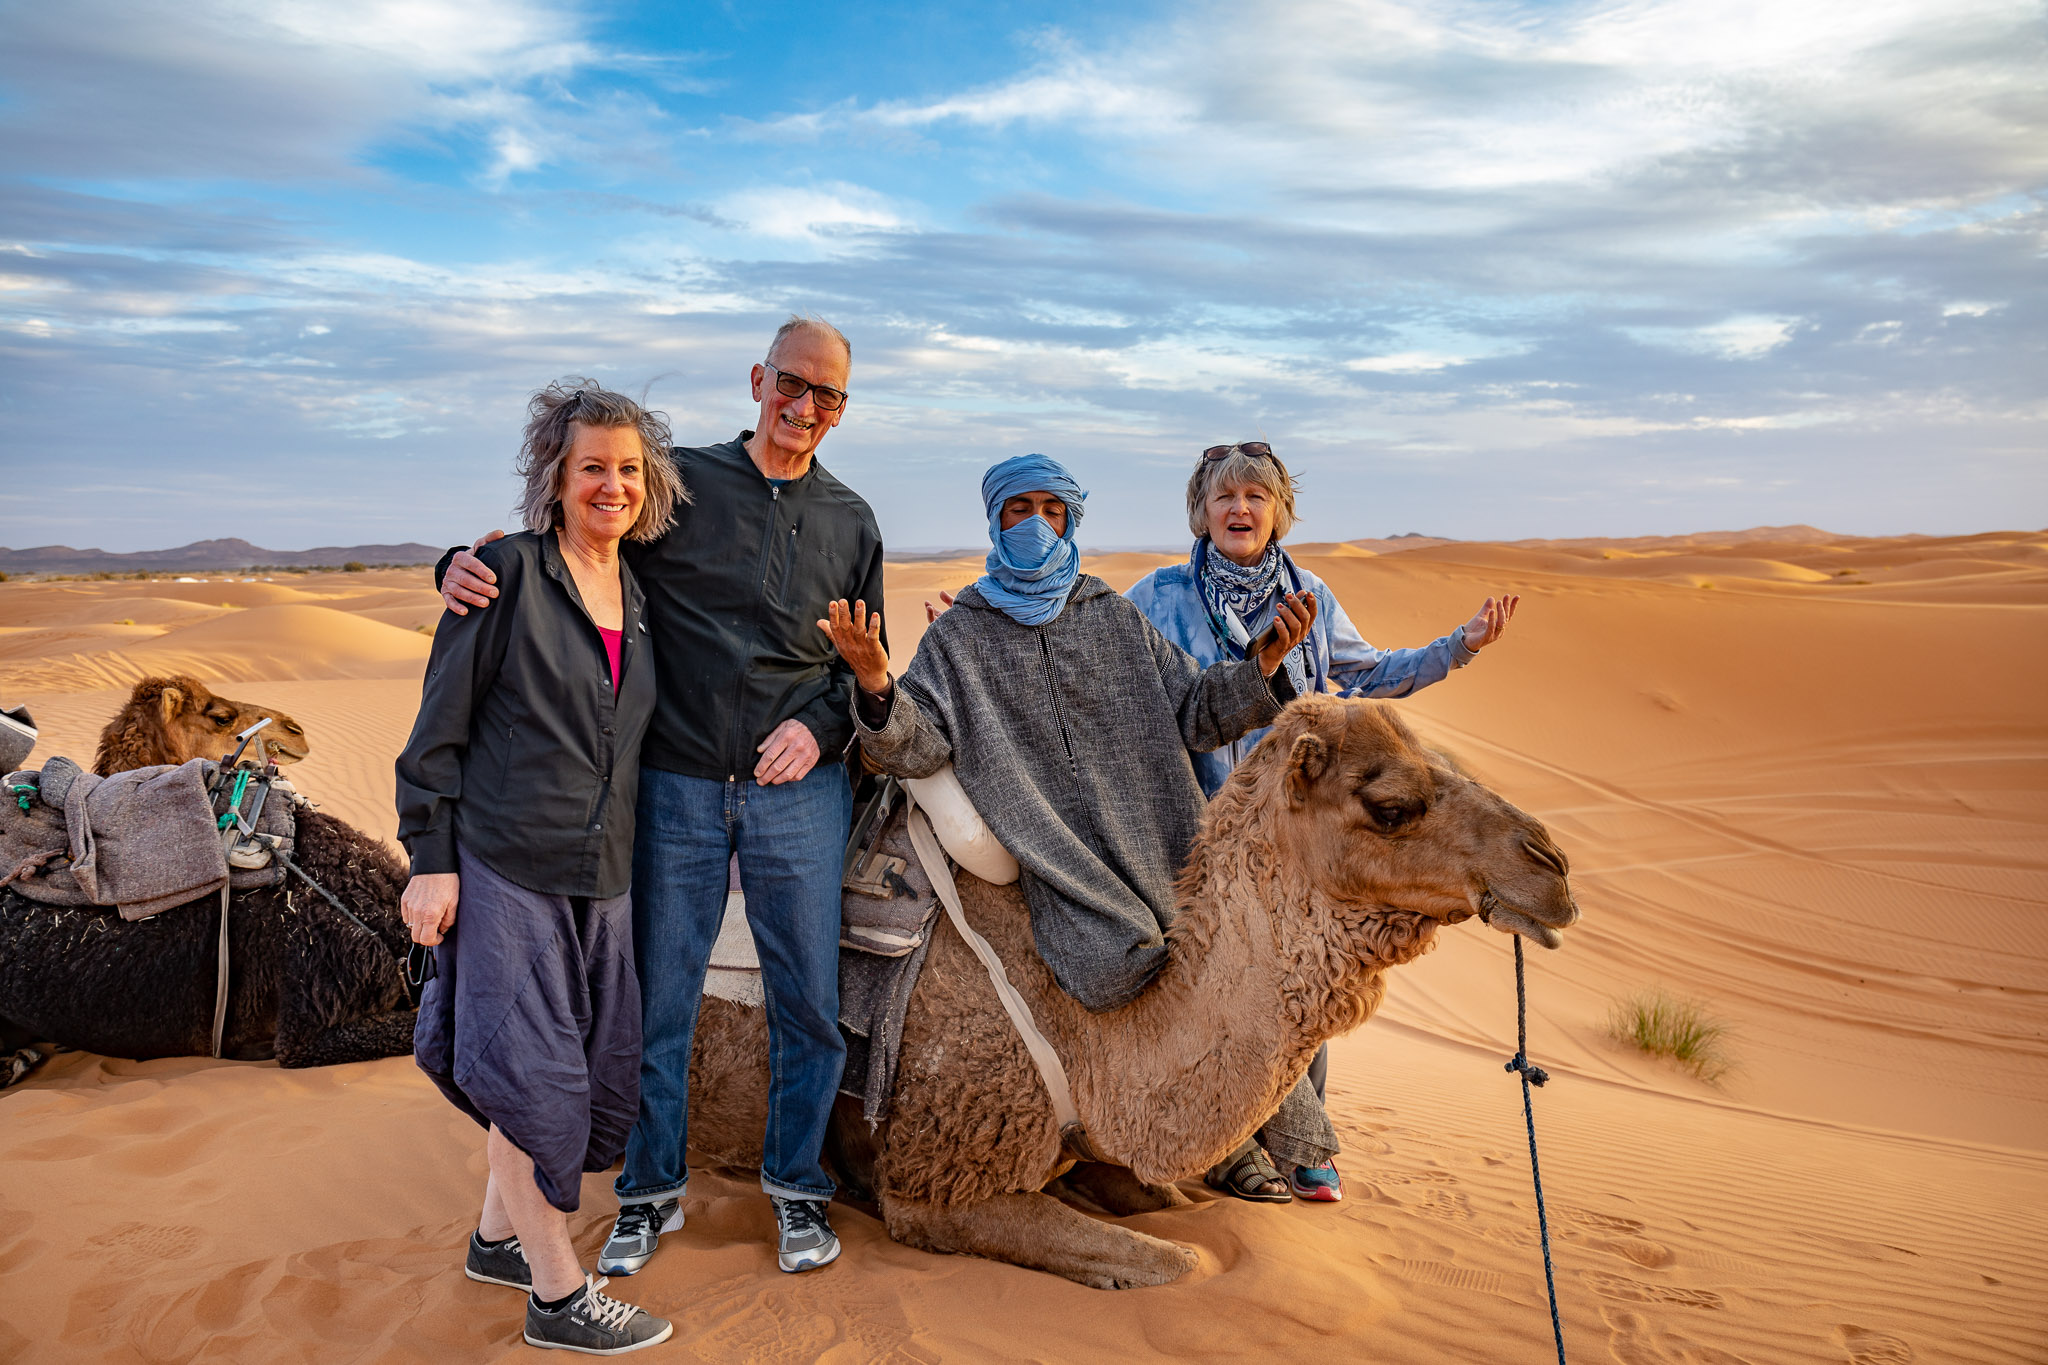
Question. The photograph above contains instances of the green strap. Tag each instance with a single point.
(234, 801)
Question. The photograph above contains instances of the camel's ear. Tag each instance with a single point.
(1305, 763)
(171, 701)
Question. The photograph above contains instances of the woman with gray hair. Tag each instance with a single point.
(1240, 504)
(515, 802)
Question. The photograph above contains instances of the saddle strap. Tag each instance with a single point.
(1073, 1133)
(220, 979)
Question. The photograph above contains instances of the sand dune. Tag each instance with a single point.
(1813, 796)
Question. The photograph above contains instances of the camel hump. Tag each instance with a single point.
(961, 830)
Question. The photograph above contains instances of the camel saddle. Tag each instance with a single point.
(141, 841)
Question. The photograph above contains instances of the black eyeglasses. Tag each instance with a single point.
(793, 386)
(1258, 450)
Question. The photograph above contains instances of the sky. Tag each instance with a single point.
(289, 270)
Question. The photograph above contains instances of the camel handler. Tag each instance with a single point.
(1069, 719)
(1240, 502)
(515, 802)
(744, 755)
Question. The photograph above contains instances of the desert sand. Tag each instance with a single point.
(1802, 779)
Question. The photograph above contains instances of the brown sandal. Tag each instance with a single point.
(1247, 1173)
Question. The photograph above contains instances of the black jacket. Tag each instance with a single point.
(735, 592)
(520, 748)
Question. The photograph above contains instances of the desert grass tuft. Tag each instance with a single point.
(1664, 1025)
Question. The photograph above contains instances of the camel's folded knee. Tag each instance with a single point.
(1039, 1232)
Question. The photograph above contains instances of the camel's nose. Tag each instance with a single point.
(1545, 852)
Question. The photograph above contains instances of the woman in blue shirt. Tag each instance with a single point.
(1240, 506)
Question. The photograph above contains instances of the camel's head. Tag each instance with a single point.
(177, 719)
(1372, 817)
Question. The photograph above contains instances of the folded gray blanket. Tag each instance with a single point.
(143, 840)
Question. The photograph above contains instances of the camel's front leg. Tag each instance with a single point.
(1117, 1189)
(1040, 1232)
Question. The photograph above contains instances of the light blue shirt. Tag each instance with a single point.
(1172, 601)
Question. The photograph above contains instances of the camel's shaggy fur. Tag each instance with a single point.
(307, 987)
(175, 720)
(1332, 854)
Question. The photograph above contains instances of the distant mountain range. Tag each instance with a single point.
(207, 554)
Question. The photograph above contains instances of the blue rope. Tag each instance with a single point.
(1534, 1075)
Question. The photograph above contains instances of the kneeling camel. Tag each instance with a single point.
(1331, 855)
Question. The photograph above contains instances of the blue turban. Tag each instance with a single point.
(1031, 569)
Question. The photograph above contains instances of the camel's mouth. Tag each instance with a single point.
(280, 755)
(1510, 919)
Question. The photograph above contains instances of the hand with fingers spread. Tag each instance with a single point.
(1291, 622)
(789, 752)
(931, 613)
(428, 905)
(857, 635)
(469, 582)
(1490, 621)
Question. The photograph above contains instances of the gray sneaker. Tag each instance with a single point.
(501, 1263)
(594, 1323)
(640, 1226)
(803, 1237)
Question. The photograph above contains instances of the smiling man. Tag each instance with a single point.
(744, 755)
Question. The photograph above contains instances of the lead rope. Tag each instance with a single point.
(1534, 1075)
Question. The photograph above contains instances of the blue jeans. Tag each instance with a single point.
(791, 840)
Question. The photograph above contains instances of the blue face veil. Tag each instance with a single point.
(1031, 567)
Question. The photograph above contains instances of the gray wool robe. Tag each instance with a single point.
(1072, 740)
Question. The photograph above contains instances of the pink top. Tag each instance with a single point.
(611, 651)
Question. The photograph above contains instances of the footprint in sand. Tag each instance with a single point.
(1649, 1255)
(1633, 1340)
(1444, 1275)
(1599, 1222)
(131, 1246)
(1449, 1205)
(1637, 1291)
(1866, 1347)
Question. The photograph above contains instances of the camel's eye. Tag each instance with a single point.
(222, 722)
(1391, 816)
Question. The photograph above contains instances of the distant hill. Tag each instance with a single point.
(206, 554)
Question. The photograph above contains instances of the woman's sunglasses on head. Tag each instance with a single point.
(1258, 450)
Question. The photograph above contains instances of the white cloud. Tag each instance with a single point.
(816, 217)
(1407, 362)
(1736, 338)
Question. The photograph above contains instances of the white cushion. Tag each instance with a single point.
(959, 827)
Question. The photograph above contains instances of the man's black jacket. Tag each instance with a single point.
(735, 591)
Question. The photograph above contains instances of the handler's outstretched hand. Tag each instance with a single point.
(1290, 627)
(1490, 620)
(858, 638)
(931, 613)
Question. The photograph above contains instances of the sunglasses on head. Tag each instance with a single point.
(1258, 450)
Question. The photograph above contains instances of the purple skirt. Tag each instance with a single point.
(532, 1022)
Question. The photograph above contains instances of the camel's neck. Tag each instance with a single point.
(1261, 970)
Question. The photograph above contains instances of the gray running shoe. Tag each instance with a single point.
(640, 1226)
(803, 1237)
(594, 1323)
(502, 1264)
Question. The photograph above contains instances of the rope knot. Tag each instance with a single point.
(1536, 1074)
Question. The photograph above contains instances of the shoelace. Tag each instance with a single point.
(601, 1309)
(799, 1216)
(637, 1220)
(511, 1244)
